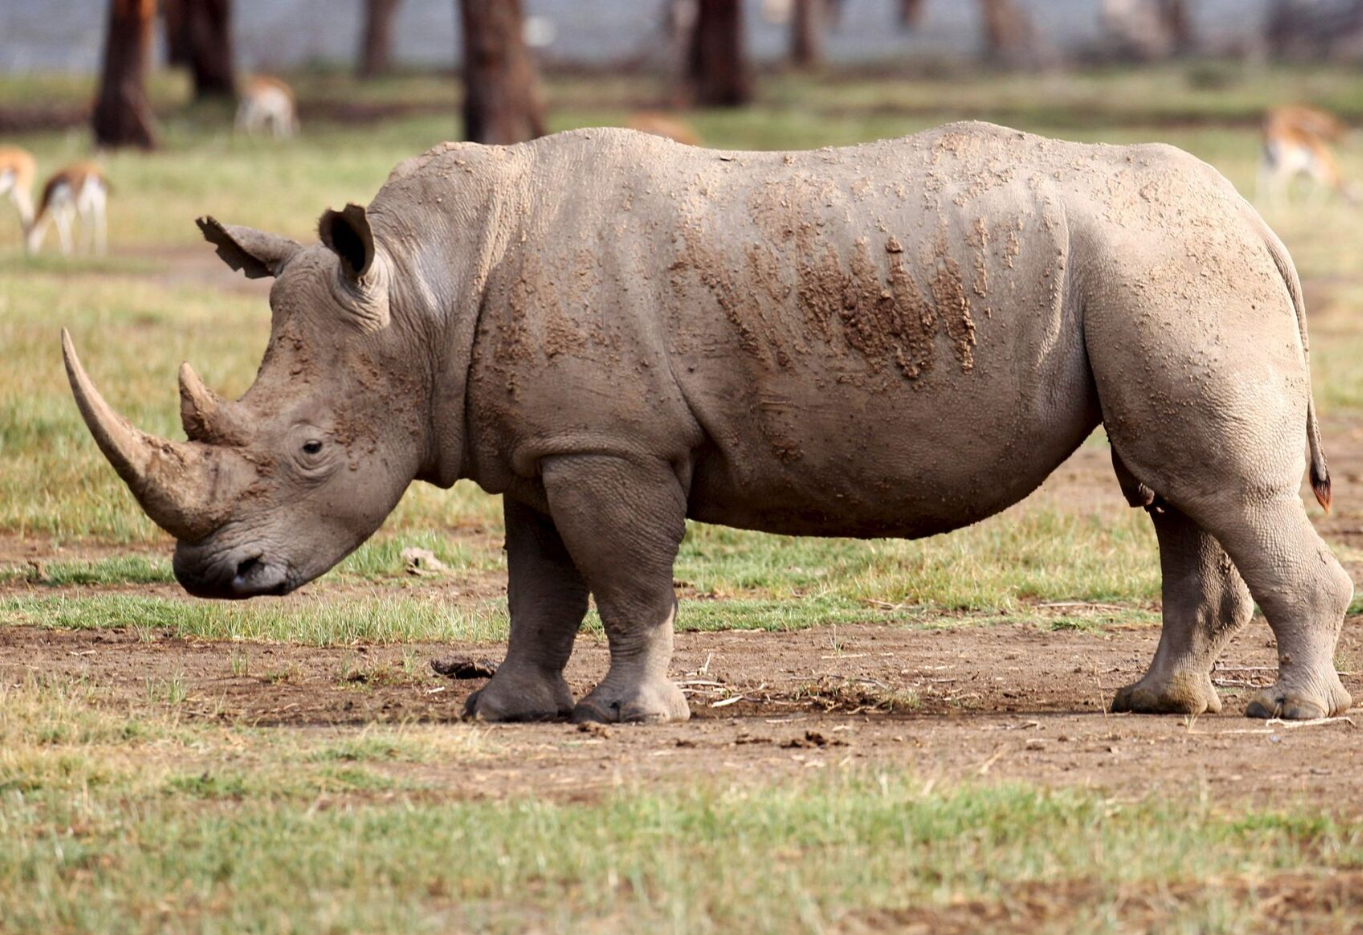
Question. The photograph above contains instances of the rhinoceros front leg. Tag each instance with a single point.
(622, 521)
(1205, 603)
(547, 598)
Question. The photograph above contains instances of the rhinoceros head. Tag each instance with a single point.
(273, 489)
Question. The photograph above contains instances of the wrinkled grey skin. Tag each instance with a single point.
(616, 333)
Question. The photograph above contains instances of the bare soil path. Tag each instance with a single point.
(1009, 702)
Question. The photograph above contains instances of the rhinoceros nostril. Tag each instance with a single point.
(245, 568)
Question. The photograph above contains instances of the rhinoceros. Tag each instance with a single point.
(617, 333)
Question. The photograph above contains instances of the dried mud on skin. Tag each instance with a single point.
(1004, 703)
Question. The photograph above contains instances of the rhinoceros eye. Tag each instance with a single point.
(312, 447)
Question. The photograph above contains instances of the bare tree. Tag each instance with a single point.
(1147, 30)
(177, 36)
(718, 70)
(807, 25)
(376, 42)
(1008, 33)
(1178, 23)
(199, 37)
(501, 90)
(679, 27)
(122, 115)
(911, 13)
(1316, 29)
(208, 30)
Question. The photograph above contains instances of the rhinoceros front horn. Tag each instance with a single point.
(173, 481)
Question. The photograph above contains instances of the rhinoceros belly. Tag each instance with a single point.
(870, 368)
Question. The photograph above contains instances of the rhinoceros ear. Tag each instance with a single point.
(347, 234)
(255, 253)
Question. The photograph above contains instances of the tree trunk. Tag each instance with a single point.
(122, 115)
(1305, 29)
(1178, 24)
(1008, 34)
(177, 36)
(208, 33)
(719, 75)
(910, 13)
(376, 43)
(806, 33)
(501, 91)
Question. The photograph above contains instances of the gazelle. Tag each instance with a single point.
(267, 103)
(78, 192)
(16, 181)
(668, 127)
(1298, 142)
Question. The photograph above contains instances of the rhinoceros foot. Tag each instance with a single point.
(1294, 703)
(1181, 693)
(651, 702)
(520, 696)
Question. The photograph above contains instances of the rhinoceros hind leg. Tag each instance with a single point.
(547, 597)
(1205, 603)
(1205, 391)
(1304, 593)
(622, 521)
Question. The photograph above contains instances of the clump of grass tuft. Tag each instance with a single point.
(375, 746)
(122, 569)
(319, 620)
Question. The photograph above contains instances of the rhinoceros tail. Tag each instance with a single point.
(1320, 472)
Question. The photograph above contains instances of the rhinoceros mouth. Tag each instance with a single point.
(236, 575)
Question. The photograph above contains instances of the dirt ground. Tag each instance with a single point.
(1004, 702)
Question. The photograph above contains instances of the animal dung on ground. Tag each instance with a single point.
(811, 739)
(464, 667)
(422, 562)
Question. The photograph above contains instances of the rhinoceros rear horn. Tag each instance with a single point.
(173, 481)
(346, 233)
(205, 415)
(255, 253)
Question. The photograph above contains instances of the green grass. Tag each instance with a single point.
(121, 821)
(322, 619)
(744, 580)
(123, 569)
(1037, 551)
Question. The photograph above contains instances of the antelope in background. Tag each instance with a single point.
(1298, 142)
(267, 104)
(77, 193)
(664, 125)
(16, 181)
